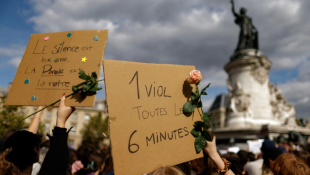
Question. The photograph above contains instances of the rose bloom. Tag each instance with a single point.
(194, 77)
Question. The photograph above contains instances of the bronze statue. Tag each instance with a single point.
(248, 37)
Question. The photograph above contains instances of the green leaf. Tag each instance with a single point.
(200, 143)
(195, 132)
(198, 124)
(189, 107)
(206, 117)
(206, 135)
(205, 126)
(75, 88)
(83, 75)
(94, 75)
(194, 96)
(199, 104)
(86, 87)
(94, 88)
(203, 91)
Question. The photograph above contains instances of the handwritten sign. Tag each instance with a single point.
(147, 126)
(51, 64)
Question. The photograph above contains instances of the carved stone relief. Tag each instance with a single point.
(260, 72)
(239, 101)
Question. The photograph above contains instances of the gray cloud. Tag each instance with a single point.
(200, 33)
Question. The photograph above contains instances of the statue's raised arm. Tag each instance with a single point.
(248, 36)
(233, 8)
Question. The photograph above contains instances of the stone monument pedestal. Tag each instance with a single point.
(248, 84)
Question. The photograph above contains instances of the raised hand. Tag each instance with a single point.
(63, 112)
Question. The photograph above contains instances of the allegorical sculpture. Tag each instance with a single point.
(248, 37)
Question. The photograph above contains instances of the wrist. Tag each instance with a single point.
(60, 124)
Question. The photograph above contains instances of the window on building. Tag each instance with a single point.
(47, 127)
(74, 116)
(86, 117)
(49, 114)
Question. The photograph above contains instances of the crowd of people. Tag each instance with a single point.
(23, 153)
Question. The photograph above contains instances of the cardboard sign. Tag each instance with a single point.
(147, 127)
(51, 64)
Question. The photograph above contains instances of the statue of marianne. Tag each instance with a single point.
(248, 37)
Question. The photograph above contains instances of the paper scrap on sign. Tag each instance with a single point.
(147, 126)
(50, 67)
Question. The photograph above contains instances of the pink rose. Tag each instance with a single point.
(194, 77)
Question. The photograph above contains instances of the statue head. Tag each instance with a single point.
(243, 10)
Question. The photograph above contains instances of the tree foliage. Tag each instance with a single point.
(94, 129)
(9, 118)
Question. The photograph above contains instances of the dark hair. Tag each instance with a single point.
(184, 167)
(6, 167)
(251, 157)
(108, 167)
(95, 161)
(236, 165)
(8, 133)
(272, 154)
(22, 144)
(243, 156)
(84, 152)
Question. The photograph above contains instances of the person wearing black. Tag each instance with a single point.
(22, 148)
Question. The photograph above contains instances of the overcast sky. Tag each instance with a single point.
(196, 32)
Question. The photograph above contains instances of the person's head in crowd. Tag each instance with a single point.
(271, 154)
(230, 154)
(84, 152)
(96, 162)
(287, 164)
(197, 165)
(7, 168)
(167, 170)
(267, 145)
(184, 167)
(25, 148)
(251, 157)
(243, 156)
(236, 165)
(8, 133)
(108, 167)
(305, 156)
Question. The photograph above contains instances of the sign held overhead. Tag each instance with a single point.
(50, 67)
(147, 127)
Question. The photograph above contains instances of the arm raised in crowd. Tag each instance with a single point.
(211, 150)
(34, 125)
(56, 160)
